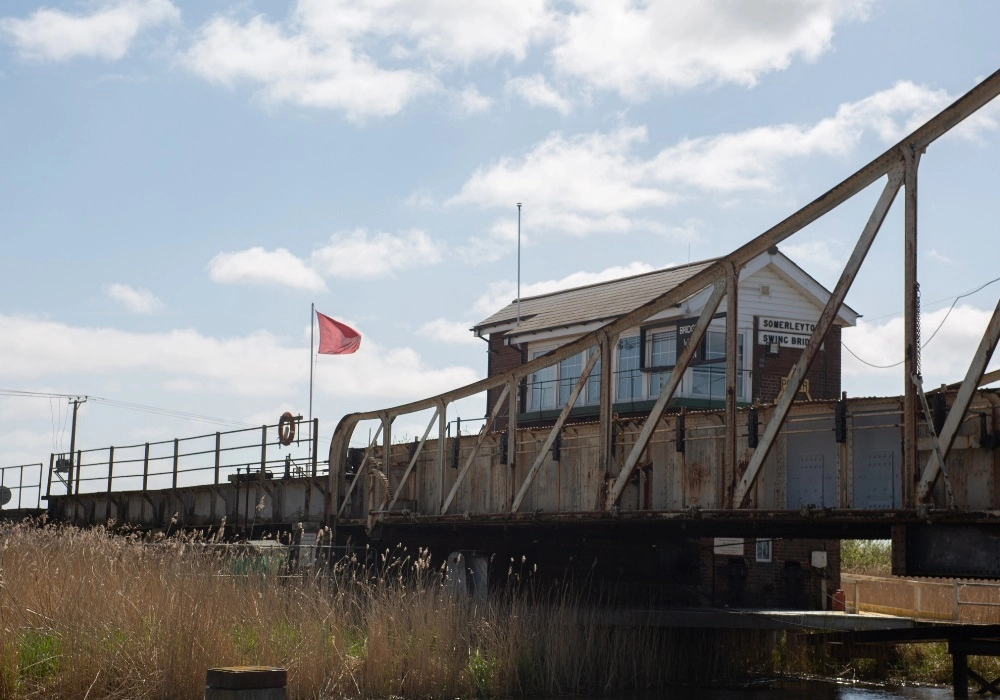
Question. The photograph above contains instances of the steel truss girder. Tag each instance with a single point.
(917, 142)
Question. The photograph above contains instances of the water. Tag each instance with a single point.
(796, 690)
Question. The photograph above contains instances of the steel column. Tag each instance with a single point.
(442, 428)
(728, 471)
(551, 438)
(911, 316)
(145, 469)
(823, 325)
(966, 392)
(218, 451)
(606, 346)
(512, 410)
(666, 393)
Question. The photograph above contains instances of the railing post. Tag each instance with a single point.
(48, 484)
(20, 487)
(145, 469)
(263, 450)
(218, 451)
(314, 429)
(176, 453)
(111, 471)
(79, 465)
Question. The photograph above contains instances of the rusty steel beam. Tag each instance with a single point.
(973, 377)
(606, 348)
(413, 461)
(728, 471)
(475, 451)
(823, 325)
(442, 410)
(929, 419)
(911, 318)
(666, 393)
(554, 432)
(361, 469)
(870, 173)
(512, 407)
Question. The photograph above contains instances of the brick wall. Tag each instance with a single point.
(502, 358)
(788, 581)
(823, 376)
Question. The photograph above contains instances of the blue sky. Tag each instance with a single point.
(180, 180)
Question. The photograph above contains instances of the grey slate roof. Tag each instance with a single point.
(602, 301)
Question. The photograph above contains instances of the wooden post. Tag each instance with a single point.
(246, 683)
(911, 343)
(218, 451)
(959, 669)
(111, 470)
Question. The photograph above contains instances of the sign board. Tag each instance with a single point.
(729, 546)
(784, 332)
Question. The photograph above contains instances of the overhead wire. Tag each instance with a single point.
(926, 342)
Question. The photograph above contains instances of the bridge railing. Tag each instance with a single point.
(897, 167)
(25, 484)
(198, 460)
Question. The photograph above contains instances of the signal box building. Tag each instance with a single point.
(779, 305)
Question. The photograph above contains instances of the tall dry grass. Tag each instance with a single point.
(98, 614)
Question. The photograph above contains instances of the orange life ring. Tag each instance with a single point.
(286, 428)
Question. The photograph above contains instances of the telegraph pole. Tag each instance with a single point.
(72, 442)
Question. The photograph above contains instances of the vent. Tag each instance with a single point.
(765, 290)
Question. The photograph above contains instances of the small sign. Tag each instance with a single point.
(685, 329)
(785, 340)
(785, 325)
(729, 546)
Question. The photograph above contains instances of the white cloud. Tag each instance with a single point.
(301, 69)
(677, 44)
(818, 253)
(106, 32)
(944, 360)
(471, 101)
(537, 92)
(581, 185)
(139, 301)
(934, 254)
(259, 266)
(335, 55)
(452, 332)
(259, 364)
(599, 183)
(502, 293)
(360, 255)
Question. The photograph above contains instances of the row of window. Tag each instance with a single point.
(551, 387)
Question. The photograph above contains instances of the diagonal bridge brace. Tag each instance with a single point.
(956, 414)
(824, 324)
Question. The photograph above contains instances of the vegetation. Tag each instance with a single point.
(98, 614)
(868, 557)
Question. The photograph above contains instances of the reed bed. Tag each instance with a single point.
(97, 613)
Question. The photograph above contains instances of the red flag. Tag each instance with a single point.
(336, 338)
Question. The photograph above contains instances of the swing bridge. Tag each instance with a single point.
(920, 468)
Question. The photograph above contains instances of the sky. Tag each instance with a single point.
(179, 181)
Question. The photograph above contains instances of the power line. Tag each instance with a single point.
(926, 342)
(126, 405)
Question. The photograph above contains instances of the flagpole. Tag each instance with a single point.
(312, 330)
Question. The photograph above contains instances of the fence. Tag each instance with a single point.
(192, 461)
(24, 494)
(957, 600)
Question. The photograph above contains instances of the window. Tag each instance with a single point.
(570, 370)
(629, 376)
(708, 380)
(764, 550)
(549, 388)
(542, 386)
